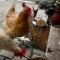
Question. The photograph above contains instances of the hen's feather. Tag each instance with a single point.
(17, 26)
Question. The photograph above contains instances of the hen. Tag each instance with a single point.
(17, 25)
(14, 26)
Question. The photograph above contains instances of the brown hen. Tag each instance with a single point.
(16, 25)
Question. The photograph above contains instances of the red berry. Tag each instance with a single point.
(20, 53)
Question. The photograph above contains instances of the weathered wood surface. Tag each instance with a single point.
(39, 58)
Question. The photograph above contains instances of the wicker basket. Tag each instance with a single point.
(40, 23)
(39, 36)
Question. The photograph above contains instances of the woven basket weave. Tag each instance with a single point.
(40, 23)
(39, 36)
